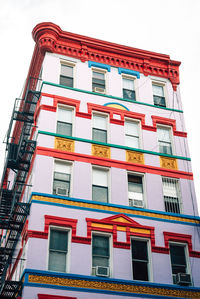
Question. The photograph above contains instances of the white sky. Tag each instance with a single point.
(165, 26)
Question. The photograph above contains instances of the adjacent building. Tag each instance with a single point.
(97, 193)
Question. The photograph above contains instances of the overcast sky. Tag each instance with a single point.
(166, 26)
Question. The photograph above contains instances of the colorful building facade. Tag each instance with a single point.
(97, 194)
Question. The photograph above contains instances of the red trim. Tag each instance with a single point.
(113, 163)
(111, 111)
(46, 296)
(49, 37)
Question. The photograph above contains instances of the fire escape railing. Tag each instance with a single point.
(13, 212)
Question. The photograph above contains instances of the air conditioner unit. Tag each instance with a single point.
(102, 271)
(136, 203)
(100, 90)
(183, 279)
(61, 191)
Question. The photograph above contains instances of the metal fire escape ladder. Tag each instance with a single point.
(13, 213)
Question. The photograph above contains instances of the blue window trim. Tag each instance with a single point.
(129, 72)
(99, 65)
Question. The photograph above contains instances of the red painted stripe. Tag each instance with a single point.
(113, 163)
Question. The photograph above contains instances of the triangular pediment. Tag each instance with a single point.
(122, 219)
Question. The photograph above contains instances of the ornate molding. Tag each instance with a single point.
(64, 144)
(91, 284)
(169, 163)
(134, 157)
(50, 37)
(101, 151)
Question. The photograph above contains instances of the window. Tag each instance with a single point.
(98, 81)
(128, 89)
(58, 248)
(135, 191)
(99, 130)
(100, 255)
(171, 194)
(132, 134)
(140, 260)
(158, 95)
(178, 260)
(64, 121)
(61, 178)
(100, 185)
(164, 140)
(66, 75)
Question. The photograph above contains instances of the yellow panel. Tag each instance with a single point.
(134, 157)
(101, 225)
(140, 231)
(121, 219)
(116, 106)
(64, 144)
(169, 163)
(121, 228)
(101, 151)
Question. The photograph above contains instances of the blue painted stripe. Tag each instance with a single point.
(110, 280)
(129, 72)
(116, 206)
(99, 65)
(113, 103)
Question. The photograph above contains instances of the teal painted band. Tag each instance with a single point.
(99, 65)
(107, 96)
(113, 145)
(128, 72)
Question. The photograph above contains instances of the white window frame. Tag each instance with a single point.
(164, 86)
(102, 71)
(134, 79)
(69, 108)
(106, 169)
(70, 64)
(68, 163)
(68, 255)
(142, 175)
(178, 190)
(188, 265)
(139, 130)
(96, 113)
(170, 135)
(110, 236)
(150, 270)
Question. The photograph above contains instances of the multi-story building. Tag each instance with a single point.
(97, 194)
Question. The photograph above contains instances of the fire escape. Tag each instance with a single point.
(13, 211)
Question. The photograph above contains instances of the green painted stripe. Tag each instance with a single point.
(108, 96)
(113, 145)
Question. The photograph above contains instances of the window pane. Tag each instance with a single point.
(61, 176)
(100, 261)
(99, 135)
(64, 128)
(57, 261)
(64, 115)
(100, 122)
(58, 240)
(62, 167)
(132, 141)
(140, 270)
(165, 148)
(164, 134)
(100, 177)
(61, 187)
(169, 187)
(177, 254)
(66, 81)
(158, 90)
(129, 94)
(100, 245)
(97, 75)
(139, 250)
(128, 84)
(131, 128)
(159, 101)
(99, 193)
(66, 70)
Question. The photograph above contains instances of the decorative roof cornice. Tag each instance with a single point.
(51, 38)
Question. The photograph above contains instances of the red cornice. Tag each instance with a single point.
(51, 38)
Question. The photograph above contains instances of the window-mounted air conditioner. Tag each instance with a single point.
(136, 203)
(100, 90)
(62, 191)
(102, 271)
(183, 279)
